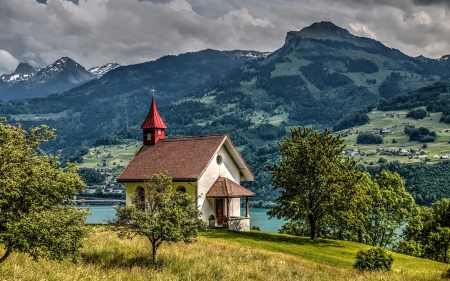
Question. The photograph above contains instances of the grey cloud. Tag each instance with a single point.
(431, 2)
(99, 31)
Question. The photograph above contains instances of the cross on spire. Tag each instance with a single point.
(153, 92)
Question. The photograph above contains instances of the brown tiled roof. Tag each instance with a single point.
(183, 158)
(226, 188)
(153, 119)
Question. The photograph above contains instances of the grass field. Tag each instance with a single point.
(216, 255)
(37, 117)
(383, 119)
(122, 154)
(119, 154)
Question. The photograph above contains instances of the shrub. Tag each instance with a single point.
(382, 160)
(256, 228)
(369, 138)
(417, 113)
(373, 259)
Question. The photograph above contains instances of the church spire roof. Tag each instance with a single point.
(153, 119)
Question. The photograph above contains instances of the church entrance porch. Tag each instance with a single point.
(223, 191)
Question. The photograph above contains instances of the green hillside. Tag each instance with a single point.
(111, 155)
(217, 255)
(320, 77)
(395, 121)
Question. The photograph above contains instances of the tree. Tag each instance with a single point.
(36, 216)
(369, 138)
(391, 208)
(427, 235)
(315, 181)
(160, 214)
(91, 176)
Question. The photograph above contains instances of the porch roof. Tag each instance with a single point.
(226, 188)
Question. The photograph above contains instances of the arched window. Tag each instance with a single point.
(139, 199)
(181, 189)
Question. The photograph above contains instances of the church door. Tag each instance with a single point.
(219, 211)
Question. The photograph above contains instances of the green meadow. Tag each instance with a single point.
(396, 121)
(216, 255)
(110, 154)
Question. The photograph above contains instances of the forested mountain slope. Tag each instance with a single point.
(120, 98)
(322, 74)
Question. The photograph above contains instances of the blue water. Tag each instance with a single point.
(258, 217)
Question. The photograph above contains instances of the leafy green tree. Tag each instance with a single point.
(160, 214)
(36, 216)
(391, 208)
(427, 235)
(315, 181)
(91, 176)
(417, 113)
(369, 138)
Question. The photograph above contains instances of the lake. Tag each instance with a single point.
(258, 217)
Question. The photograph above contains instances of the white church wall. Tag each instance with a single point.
(227, 169)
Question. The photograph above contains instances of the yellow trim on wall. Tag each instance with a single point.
(131, 187)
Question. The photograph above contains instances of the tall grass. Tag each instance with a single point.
(105, 257)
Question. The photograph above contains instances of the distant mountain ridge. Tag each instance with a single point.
(60, 76)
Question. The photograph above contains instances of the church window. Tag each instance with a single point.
(181, 189)
(139, 198)
(159, 132)
(149, 136)
(219, 159)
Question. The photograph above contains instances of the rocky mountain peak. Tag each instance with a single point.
(25, 68)
(65, 68)
(445, 59)
(23, 72)
(326, 30)
(323, 30)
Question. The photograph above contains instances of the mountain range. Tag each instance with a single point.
(322, 76)
(60, 76)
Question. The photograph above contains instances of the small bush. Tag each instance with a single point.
(256, 228)
(382, 160)
(373, 259)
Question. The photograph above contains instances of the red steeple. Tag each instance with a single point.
(153, 119)
(153, 126)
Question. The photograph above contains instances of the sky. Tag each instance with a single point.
(96, 32)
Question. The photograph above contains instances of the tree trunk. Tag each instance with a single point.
(6, 255)
(312, 225)
(360, 236)
(154, 249)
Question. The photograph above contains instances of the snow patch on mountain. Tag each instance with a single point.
(247, 54)
(445, 58)
(99, 71)
(23, 72)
